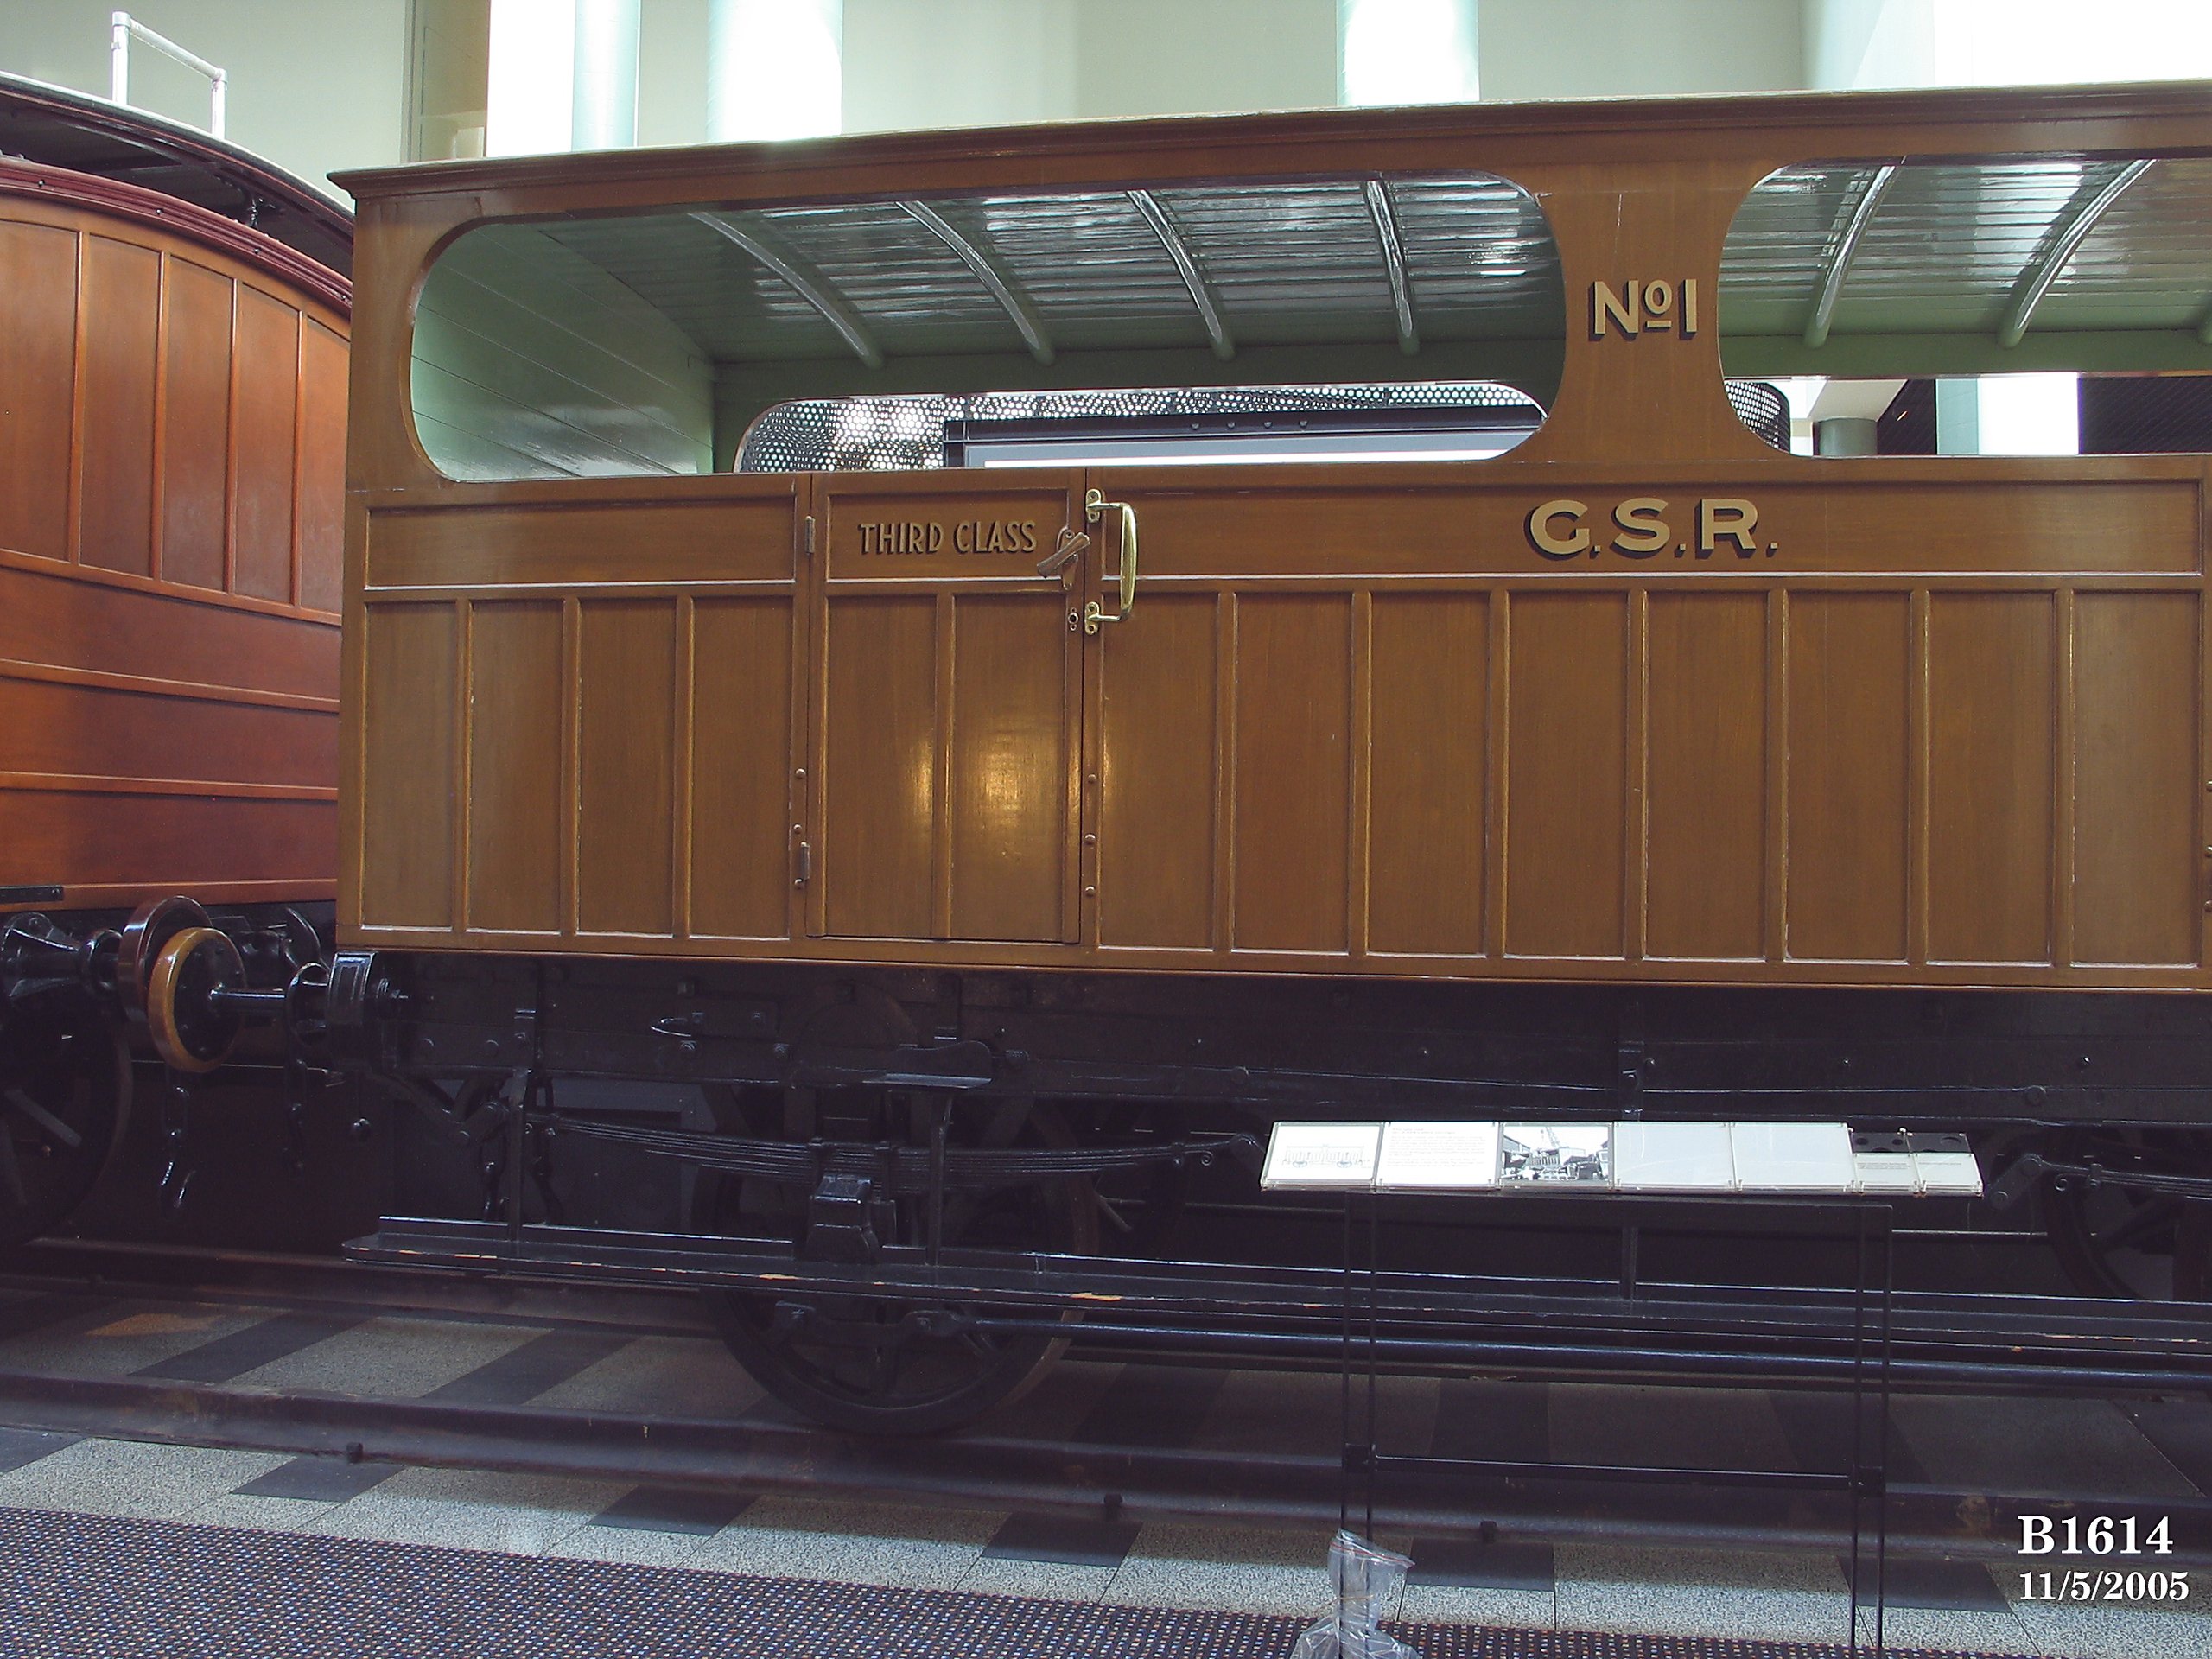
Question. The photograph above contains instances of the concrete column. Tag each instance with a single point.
(1851, 435)
(606, 75)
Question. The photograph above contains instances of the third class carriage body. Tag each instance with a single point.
(1004, 832)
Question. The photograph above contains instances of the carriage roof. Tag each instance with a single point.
(1973, 232)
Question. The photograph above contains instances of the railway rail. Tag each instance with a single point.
(1032, 1462)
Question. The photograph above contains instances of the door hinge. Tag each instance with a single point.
(802, 864)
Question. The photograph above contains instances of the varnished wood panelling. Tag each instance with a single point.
(116, 489)
(1420, 527)
(1157, 791)
(1429, 723)
(54, 727)
(1848, 776)
(2019, 525)
(100, 841)
(195, 424)
(2138, 794)
(268, 394)
(626, 767)
(411, 654)
(1006, 768)
(1292, 788)
(744, 540)
(1993, 719)
(47, 616)
(879, 770)
(38, 332)
(515, 804)
(1706, 776)
(1567, 775)
(741, 766)
(322, 466)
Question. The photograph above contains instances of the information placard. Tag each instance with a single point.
(1438, 1158)
(1322, 1155)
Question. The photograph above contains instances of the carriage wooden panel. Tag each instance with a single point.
(1640, 700)
(172, 411)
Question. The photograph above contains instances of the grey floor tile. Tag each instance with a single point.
(130, 1478)
(659, 1376)
(266, 1514)
(1953, 1631)
(223, 1357)
(319, 1480)
(136, 1336)
(1469, 1564)
(467, 1508)
(1068, 1540)
(19, 1447)
(1048, 1581)
(1238, 1569)
(627, 1547)
(1817, 1423)
(20, 1315)
(1436, 1604)
(1697, 1428)
(851, 1543)
(527, 1370)
(1064, 1396)
(1492, 1420)
(1735, 1594)
(1303, 1412)
(390, 1357)
(2031, 1444)
(700, 1511)
(2114, 1632)
(1941, 1586)
(2182, 1431)
(1151, 1405)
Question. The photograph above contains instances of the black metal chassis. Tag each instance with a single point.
(1222, 1054)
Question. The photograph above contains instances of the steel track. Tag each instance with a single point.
(978, 1468)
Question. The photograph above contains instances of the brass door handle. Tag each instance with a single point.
(1095, 615)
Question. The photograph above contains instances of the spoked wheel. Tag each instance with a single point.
(870, 1366)
(2111, 1242)
(65, 1092)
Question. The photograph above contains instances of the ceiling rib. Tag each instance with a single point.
(1171, 238)
(1847, 250)
(816, 289)
(2051, 260)
(1394, 261)
(991, 271)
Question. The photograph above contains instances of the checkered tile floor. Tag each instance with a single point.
(1222, 1567)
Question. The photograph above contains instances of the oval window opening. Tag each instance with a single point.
(1406, 318)
(2008, 305)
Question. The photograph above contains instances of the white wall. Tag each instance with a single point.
(1604, 48)
(912, 64)
(314, 85)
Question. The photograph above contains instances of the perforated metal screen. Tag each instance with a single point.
(909, 433)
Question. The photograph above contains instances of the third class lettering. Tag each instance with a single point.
(932, 536)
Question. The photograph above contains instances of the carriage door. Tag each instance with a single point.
(946, 707)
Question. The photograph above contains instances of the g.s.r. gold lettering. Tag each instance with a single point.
(931, 536)
(1640, 529)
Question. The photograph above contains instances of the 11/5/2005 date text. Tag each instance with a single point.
(2107, 1583)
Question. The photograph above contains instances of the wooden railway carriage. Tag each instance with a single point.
(172, 446)
(987, 842)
